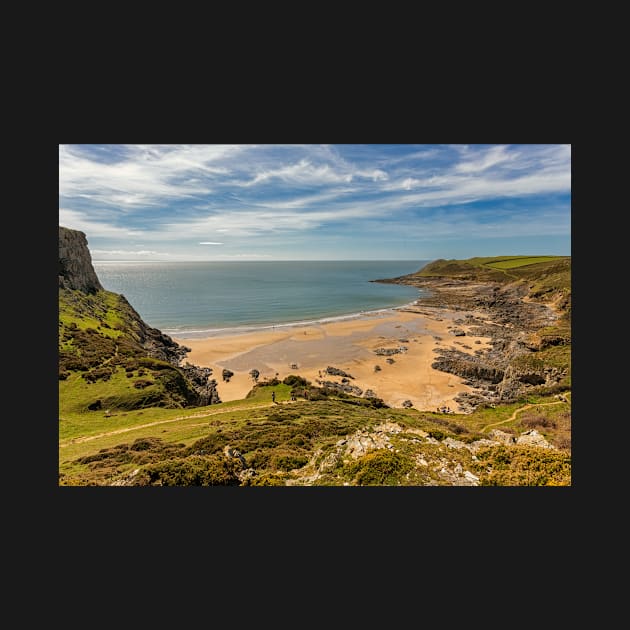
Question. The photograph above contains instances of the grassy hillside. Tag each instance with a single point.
(306, 441)
(103, 359)
(550, 270)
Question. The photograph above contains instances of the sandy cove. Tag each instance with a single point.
(349, 345)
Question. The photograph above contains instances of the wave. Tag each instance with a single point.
(185, 333)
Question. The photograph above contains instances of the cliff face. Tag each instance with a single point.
(75, 263)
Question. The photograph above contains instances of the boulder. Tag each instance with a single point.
(533, 438)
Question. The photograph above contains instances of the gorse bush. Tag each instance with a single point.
(213, 470)
(288, 462)
(522, 466)
(379, 468)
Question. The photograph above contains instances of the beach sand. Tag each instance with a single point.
(348, 345)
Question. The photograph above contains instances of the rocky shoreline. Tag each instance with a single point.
(503, 314)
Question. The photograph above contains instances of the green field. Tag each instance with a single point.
(514, 261)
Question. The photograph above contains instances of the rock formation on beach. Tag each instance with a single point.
(525, 311)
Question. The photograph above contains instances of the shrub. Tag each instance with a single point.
(299, 440)
(377, 403)
(452, 426)
(537, 421)
(295, 381)
(214, 470)
(102, 373)
(379, 468)
(267, 480)
(522, 466)
(272, 381)
(209, 444)
(288, 462)
(141, 383)
(143, 444)
(563, 442)
(259, 458)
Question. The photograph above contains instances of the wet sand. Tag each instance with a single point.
(348, 345)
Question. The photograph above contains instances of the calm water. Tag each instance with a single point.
(191, 299)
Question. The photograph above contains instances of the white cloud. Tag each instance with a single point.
(127, 252)
(183, 192)
(144, 175)
(487, 159)
(305, 172)
(77, 220)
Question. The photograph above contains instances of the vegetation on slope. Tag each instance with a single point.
(104, 361)
(257, 442)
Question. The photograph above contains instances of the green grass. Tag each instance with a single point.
(91, 311)
(517, 261)
(548, 271)
(277, 438)
(75, 393)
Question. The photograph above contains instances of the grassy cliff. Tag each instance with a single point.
(110, 359)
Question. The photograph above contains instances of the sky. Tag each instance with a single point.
(200, 202)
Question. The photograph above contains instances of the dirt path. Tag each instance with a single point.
(517, 411)
(152, 424)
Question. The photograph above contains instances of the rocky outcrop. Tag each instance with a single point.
(75, 262)
(333, 371)
(501, 307)
(385, 352)
(533, 438)
(342, 387)
(204, 386)
(467, 366)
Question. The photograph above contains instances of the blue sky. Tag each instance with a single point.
(316, 202)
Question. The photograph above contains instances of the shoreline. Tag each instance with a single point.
(208, 333)
(411, 332)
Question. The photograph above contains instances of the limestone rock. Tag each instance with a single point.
(75, 262)
(363, 442)
(501, 436)
(533, 438)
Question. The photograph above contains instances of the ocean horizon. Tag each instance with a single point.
(202, 299)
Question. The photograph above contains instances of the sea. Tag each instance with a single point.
(202, 299)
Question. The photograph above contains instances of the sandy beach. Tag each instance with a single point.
(348, 345)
